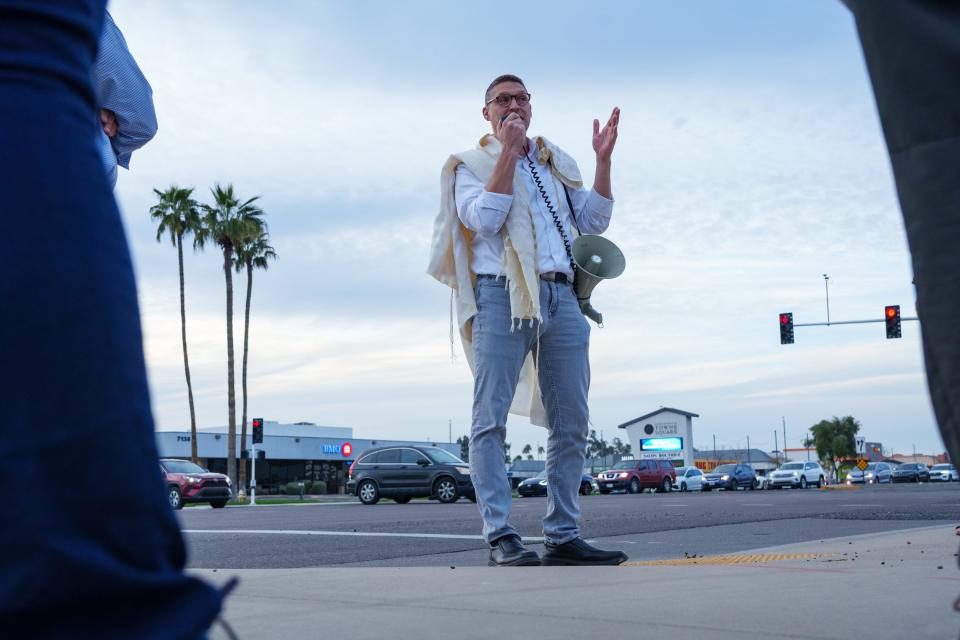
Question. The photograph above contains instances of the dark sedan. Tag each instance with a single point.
(911, 472)
(537, 486)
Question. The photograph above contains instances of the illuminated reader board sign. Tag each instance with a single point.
(661, 444)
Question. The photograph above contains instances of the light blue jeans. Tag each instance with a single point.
(564, 375)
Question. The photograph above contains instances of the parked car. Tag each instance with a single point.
(875, 473)
(688, 479)
(729, 477)
(911, 472)
(537, 485)
(405, 472)
(798, 475)
(761, 482)
(189, 482)
(634, 476)
(944, 473)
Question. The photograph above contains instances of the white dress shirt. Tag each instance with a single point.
(484, 212)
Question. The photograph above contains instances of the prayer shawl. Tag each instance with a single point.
(451, 253)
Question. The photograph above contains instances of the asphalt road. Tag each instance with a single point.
(646, 526)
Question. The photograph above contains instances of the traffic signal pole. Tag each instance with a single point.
(253, 475)
(257, 439)
(827, 324)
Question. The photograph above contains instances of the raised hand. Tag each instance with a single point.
(605, 139)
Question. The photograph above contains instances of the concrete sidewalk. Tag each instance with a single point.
(871, 586)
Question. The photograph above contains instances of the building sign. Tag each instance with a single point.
(660, 455)
(661, 444)
(346, 449)
(661, 429)
(183, 438)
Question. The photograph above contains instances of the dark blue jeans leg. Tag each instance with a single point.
(90, 547)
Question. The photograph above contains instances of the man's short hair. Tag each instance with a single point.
(507, 77)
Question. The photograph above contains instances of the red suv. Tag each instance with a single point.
(188, 482)
(636, 475)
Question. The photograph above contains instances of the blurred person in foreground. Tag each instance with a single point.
(91, 547)
(510, 210)
(912, 51)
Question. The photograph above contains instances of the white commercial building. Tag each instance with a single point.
(664, 434)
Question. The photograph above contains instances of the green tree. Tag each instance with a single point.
(228, 222)
(620, 448)
(464, 442)
(835, 438)
(254, 252)
(178, 215)
(527, 450)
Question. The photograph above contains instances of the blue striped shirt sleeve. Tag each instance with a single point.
(121, 87)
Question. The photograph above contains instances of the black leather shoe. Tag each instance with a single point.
(509, 551)
(578, 552)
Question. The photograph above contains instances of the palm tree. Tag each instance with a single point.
(178, 215)
(527, 449)
(228, 222)
(255, 252)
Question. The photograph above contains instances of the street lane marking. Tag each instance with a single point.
(756, 558)
(356, 534)
(758, 504)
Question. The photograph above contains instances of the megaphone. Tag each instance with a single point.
(597, 259)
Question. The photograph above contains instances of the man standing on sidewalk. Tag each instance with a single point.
(510, 210)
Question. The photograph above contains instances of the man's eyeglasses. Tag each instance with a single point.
(504, 99)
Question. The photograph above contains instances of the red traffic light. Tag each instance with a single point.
(892, 317)
(257, 422)
(786, 328)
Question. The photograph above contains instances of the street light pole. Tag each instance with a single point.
(826, 284)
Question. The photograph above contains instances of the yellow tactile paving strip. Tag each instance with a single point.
(756, 558)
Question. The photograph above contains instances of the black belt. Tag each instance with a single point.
(552, 276)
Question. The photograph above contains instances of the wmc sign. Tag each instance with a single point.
(346, 449)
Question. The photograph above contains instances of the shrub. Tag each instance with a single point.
(318, 487)
(293, 488)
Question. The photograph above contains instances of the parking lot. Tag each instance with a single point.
(647, 526)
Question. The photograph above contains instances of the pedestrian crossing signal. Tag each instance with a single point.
(786, 328)
(891, 315)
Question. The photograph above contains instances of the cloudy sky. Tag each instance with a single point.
(750, 162)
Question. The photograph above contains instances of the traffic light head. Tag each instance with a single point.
(786, 328)
(257, 430)
(891, 316)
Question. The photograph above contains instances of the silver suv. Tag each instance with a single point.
(797, 474)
